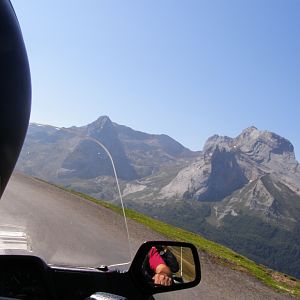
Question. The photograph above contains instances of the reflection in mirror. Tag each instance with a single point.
(166, 265)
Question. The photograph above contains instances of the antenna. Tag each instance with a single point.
(181, 262)
(117, 181)
(119, 190)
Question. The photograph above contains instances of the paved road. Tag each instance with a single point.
(67, 229)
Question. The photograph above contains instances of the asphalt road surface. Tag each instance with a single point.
(66, 229)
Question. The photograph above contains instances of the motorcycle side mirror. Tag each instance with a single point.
(163, 266)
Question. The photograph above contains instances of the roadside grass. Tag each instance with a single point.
(218, 253)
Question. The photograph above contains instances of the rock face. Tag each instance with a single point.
(227, 164)
(149, 152)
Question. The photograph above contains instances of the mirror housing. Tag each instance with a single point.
(186, 270)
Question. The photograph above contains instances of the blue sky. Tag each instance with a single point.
(189, 69)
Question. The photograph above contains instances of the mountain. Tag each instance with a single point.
(79, 162)
(243, 192)
(228, 164)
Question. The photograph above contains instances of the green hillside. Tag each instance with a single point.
(269, 235)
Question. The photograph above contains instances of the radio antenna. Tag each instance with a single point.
(85, 137)
(119, 190)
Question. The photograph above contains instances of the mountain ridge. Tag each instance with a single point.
(243, 192)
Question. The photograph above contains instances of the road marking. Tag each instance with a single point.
(14, 240)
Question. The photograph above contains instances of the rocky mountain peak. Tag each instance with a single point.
(245, 141)
(103, 130)
(263, 146)
(217, 141)
(253, 142)
(250, 132)
(102, 119)
(227, 164)
(102, 123)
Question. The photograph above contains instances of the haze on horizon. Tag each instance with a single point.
(187, 69)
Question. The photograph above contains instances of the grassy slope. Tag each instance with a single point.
(219, 253)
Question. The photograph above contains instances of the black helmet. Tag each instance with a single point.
(15, 91)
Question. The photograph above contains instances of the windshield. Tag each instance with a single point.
(62, 228)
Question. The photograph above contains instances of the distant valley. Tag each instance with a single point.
(243, 192)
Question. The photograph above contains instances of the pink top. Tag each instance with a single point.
(155, 259)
